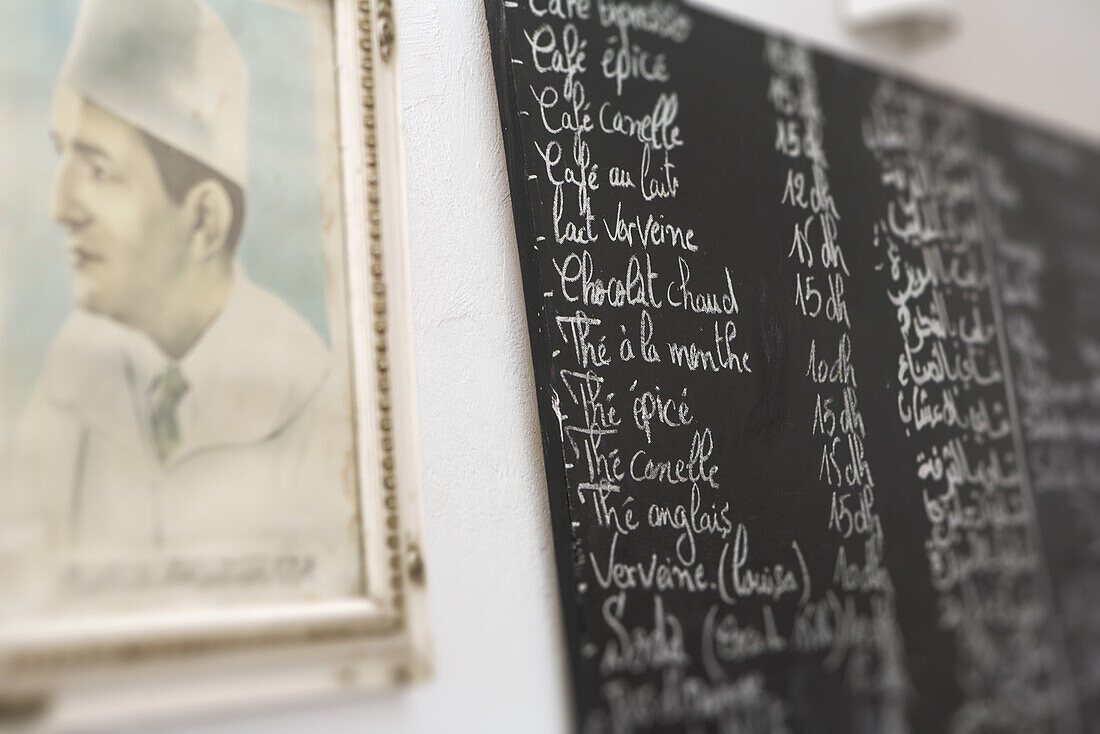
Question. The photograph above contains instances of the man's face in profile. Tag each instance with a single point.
(127, 238)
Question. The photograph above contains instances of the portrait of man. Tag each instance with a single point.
(188, 428)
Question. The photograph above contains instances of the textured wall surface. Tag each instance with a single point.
(500, 664)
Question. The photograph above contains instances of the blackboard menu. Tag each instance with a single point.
(817, 353)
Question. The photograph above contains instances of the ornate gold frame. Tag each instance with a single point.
(389, 644)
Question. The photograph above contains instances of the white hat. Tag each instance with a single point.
(169, 68)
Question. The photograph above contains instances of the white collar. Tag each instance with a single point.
(248, 375)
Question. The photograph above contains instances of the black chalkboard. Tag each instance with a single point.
(817, 354)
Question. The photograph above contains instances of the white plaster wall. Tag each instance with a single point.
(491, 575)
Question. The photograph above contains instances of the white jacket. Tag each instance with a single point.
(258, 500)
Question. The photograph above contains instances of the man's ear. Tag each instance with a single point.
(211, 215)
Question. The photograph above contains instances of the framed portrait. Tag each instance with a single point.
(209, 492)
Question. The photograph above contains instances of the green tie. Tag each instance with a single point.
(168, 389)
